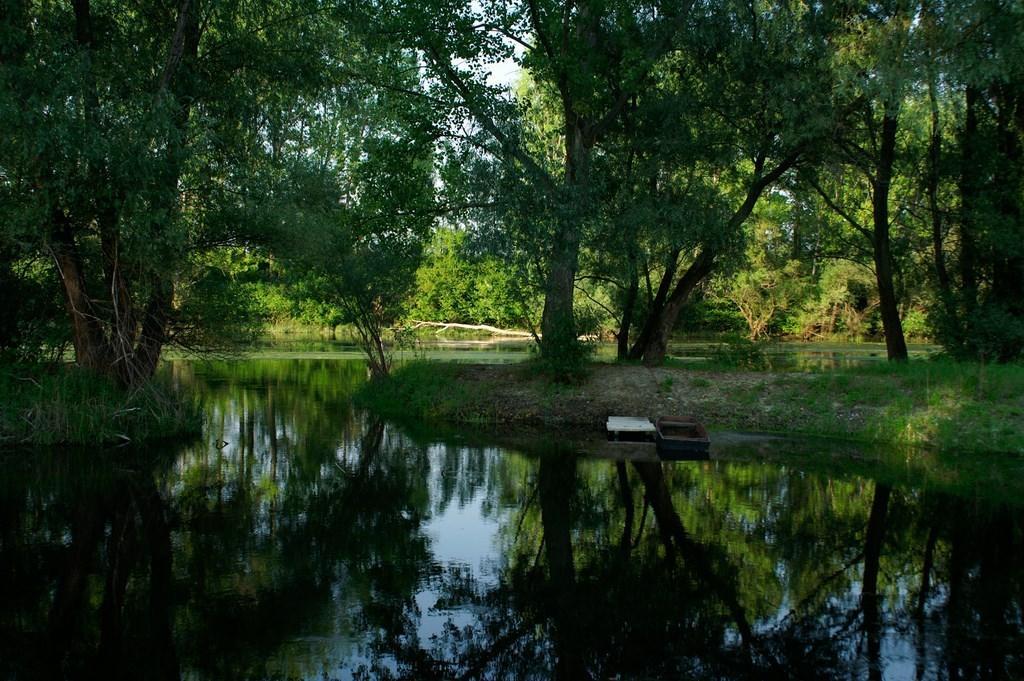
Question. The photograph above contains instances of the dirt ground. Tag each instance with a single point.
(745, 400)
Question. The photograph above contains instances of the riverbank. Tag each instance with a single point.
(66, 405)
(945, 405)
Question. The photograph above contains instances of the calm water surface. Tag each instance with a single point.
(783, 354)
(301, 538)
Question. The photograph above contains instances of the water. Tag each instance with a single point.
(301, 538)
(787, 354)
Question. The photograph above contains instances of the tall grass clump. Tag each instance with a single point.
(417, 390)
(68, 405)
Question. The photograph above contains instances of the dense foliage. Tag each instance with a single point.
(185, 173)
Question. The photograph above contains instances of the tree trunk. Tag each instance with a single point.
(934, 171)
(656, 307)
(628, 307)
(657, 345)
(895, 344)
(969, 190)
(558, 322)
(1008, 263)
(91, 349)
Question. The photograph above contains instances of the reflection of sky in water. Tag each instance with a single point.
(354, 525)
(462, 538)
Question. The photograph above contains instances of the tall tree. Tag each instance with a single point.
(594, 58)
(980, 43)
(137, 134)
(754, 74)
(873, 59)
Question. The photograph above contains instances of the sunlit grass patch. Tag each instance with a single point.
(420, 390)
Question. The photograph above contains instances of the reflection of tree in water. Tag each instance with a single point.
(282, 533)
(69, 612)
(627, 589)
(303, 544)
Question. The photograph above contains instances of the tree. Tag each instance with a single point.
(136, 135)
(754, 74)
(979, 241)
(593, 58)
(367, 224)
(874, 63)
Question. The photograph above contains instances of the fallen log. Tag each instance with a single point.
(443, 326)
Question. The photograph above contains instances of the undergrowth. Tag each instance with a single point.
(419, 390)
(45, 405)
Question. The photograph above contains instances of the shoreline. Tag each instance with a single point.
(943, 406)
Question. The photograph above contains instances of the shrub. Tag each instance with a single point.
(740, 352)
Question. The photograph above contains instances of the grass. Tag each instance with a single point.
(941, 404)
(67, 405)
(421, 390)
(938, 404)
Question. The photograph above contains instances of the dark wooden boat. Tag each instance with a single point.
(681, 438)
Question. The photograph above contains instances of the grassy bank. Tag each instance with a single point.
(66, 405)
(422, 390)
(944, 405)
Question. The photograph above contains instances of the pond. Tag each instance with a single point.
(302, 538)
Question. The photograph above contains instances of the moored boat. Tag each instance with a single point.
(681, 438)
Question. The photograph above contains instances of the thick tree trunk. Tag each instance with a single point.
(558, 322)
(656, 307)
(91, 348)
(153, 333)
(657, 345)
(895, 344)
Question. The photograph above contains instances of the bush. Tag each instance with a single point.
(990, 333)
(33, 324)
(416, 390)
(916, 325)
(740, 352)
(453, 286)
